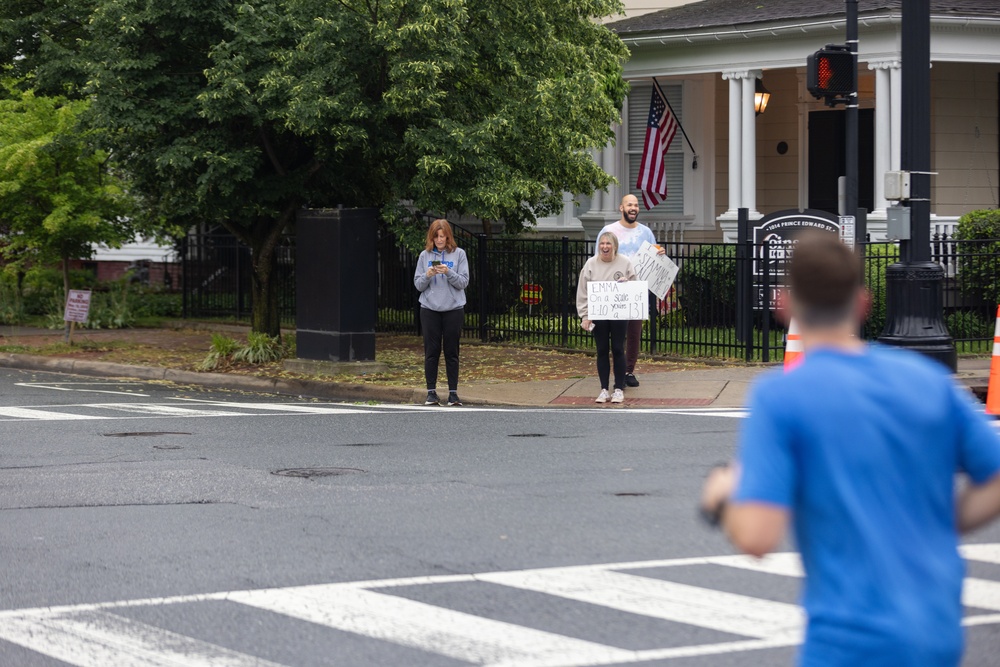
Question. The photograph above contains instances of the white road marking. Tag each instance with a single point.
(35, 413)
(478, 640)
(981, 593)
(99, 639)
(166, 410)
(90, 636)
(60, 386)
(989, 553)
(681, 603)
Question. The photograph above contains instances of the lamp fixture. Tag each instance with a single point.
(761, 97)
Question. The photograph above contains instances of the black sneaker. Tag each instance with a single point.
(453, 399)
(432, 398)
(630, 380)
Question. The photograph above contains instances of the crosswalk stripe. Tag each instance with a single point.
(33, 413)
(475, 639)
(166, 410)
(988, 553)
(981, 593)
(703, 607)
(99, 639)
(325, 409)
(784, 564)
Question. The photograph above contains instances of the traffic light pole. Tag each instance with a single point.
(914, 308)
(851, 126)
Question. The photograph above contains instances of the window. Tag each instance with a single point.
(638, 113)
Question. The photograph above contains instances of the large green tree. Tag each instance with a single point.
(242, 112)
(58, 196)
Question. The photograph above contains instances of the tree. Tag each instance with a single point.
(58, 196)
(40, 43)
(239, 113)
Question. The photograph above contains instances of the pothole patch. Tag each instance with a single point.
(308, 473)
(527, 435)
(631, 494)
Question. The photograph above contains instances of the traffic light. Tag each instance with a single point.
(832, 73)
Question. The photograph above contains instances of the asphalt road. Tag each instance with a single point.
(149, 524)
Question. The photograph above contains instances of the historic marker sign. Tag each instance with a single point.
(774, 242)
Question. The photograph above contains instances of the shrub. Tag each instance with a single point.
(878, 258)
(964, 325)
(979, 257)
(707, 286)
(221, 352)
(260, 348)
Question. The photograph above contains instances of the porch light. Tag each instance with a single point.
(761, 97)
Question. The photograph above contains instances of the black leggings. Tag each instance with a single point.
(615, 330)
(438, 326)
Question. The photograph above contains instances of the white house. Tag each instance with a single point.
(708, 57)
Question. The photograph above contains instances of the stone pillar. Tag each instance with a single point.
(885, 107)
(748, 152)
(735, 143)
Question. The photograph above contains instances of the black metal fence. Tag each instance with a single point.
(524, 290)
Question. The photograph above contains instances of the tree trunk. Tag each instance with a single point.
(265, 316)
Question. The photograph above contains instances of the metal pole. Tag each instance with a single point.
(914, 305)
(851, 118)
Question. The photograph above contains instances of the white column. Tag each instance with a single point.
(735, 142)
(597, 199)
(896, 120)
(883, 131)
(749, 150)
(613, 198)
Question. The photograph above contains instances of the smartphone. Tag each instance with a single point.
(435, 263)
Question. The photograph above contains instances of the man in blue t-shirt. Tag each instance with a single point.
(858, 448)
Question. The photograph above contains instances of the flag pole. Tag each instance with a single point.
(694, 163)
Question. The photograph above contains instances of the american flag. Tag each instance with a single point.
(660, 130)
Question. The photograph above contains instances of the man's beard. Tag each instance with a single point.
(631, 217)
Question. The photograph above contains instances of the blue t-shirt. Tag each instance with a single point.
(863, 449)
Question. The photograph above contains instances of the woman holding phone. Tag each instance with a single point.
(606, 265)
(441, 278)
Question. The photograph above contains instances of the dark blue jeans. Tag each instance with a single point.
(615, 331)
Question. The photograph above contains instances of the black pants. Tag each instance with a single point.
(438, 326)
(632, 343)
(615, 330)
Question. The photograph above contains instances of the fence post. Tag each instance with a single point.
(653, 312)
(239, 280)
(481, 269)
(564, 288)
(185, 267)
(744, 283)
(765, 327)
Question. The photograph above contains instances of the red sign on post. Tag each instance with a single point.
(531, 294)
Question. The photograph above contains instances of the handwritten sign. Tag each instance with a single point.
(77, 305)
(610, 300)
(657, 270)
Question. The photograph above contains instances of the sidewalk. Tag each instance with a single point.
(719, 387)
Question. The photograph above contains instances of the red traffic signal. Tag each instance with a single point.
(832, 72)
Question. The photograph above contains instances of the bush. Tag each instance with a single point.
(260, 348)
(707, 286)
(221, 352)
(979, 257)
(879, 256)
(964, 325)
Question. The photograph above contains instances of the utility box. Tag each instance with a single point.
(335, 284)
(897, 185)
(897, 224)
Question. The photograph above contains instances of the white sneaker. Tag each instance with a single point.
(602, 397)
(618, 396)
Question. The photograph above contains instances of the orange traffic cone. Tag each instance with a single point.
(993, 389)
(793, 347)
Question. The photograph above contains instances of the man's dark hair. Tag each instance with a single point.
(824, 277)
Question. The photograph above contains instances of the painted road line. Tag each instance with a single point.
(458, 635)
(99, 639)
(784, 564)
(34, 413)
(988, 553)
(164, 410)
(681, 603)
(297, 408)
(981, 593)
(62, 386)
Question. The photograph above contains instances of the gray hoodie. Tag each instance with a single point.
(442, 292)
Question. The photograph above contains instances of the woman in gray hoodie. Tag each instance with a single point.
(441, 278)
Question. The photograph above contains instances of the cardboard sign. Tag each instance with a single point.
(77, 306)
(657, 270)
(610, 300)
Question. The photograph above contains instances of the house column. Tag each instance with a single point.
(742, 142)
(887, 115)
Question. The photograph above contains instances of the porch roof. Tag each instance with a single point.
(733, 14)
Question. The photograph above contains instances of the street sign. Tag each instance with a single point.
(77, 305)
(531, 294)
(774, 242)
(847, 230)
